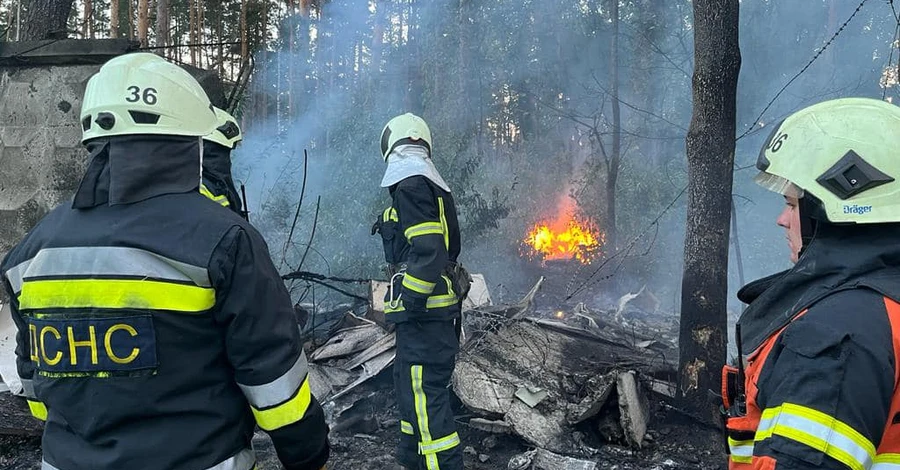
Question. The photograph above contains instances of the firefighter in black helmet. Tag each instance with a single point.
(421, 239)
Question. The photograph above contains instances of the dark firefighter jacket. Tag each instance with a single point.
(421, 238)
(820, 343)
(153, 330)
(218, 183)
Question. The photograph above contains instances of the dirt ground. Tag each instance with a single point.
(674, 442)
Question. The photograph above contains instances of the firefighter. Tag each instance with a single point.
(218, 183)
(816, 384)
(153, 329)
(421, 239)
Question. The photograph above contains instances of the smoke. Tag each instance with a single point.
(518, 96)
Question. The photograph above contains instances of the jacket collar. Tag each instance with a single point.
(217, 174)
(129, 169)
(839, 257)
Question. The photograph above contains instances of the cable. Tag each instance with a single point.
(805, 67)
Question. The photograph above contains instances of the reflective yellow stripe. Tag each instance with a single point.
(741, 451)
(439, 445)
(887, 461)
(417, 285)
(425, 228)
(421, 406)
(389, 214)
(406, 428)
(38, 410)
(286, 413)
(221, 200)
(433, 302)
(818, 431)
(115, 293)
(444, 227)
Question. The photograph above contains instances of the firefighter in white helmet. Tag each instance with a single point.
(153, 330)
(421, 239)
(218, 183)
(816, 386)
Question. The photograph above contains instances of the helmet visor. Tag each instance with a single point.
(778, 184)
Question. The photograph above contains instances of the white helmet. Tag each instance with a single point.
(142, 93)
(228, 132)
(843, 152)
(404, 129)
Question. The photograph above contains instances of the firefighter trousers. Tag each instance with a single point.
(426, 353)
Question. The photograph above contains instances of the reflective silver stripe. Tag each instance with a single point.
(885, 466)
(439, 445)
(279, 390)
(28, 388)
(740, 448)
(102, 261)
(788, 424)
(243, 460)
(16, 275)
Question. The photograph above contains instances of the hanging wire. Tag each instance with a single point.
(804, 69)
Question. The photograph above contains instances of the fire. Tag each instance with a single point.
(567, 237)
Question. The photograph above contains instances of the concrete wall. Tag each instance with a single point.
(41, 157)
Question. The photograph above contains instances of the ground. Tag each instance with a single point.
(368, 443)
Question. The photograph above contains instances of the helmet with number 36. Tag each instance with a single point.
(142, 93)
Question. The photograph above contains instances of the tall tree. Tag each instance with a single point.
(88, 27)
(615, 151)
(114, 19)
(244, 46)
(45, 19)
(131, 19)
(162, 25)
(143, 21)
(710, 154)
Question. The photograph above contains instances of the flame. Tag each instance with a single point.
(567, 237)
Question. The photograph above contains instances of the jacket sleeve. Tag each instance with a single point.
(826, 388)
(420, 222)
(25, 351)
(263, 345)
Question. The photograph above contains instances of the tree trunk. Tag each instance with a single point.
(87, 30)
(10, 20)
(710, 154)
(245, 49)
(612, 176)
(131, 19)
(192, 32)
(162, 26)
(143, 21)
(45, 19)
(114, 19)
(415, 79)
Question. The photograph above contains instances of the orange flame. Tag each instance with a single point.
(567, 237)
